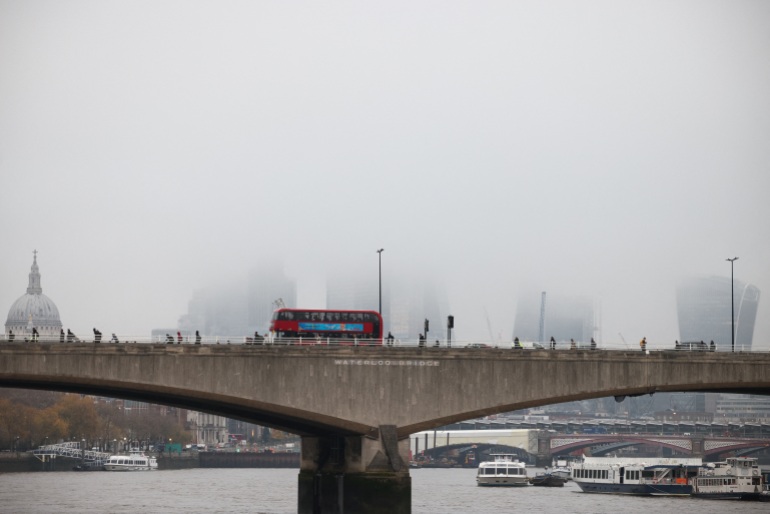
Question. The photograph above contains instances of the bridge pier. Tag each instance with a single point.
(544, 456)
(355, 474)
(698, 446)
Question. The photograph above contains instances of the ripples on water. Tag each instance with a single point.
(274, 491)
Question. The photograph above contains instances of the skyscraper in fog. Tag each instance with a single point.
(241, 307)
(563, 318)
(407, 301)
(703, 308)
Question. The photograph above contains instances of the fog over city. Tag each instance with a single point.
(601, 148)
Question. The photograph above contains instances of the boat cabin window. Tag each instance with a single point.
(591, 474)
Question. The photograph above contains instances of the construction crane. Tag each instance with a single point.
(489, 326)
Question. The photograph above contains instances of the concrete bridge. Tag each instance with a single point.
(542, 446)
(355, 407)
(708, 447)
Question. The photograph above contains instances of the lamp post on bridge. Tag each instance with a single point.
(732, 301)
(379, 255)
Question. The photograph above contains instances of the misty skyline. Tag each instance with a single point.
(599, 148)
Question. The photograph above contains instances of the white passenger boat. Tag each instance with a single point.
(652, 477)
(504, 470)
(737, 478)
(136, 460)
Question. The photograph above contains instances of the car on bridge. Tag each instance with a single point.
(692, 346)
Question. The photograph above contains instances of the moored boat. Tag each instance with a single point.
(504, 470)
(547, 480)
(561, 468)
(737, 478)
(136, 460)
(651, 477)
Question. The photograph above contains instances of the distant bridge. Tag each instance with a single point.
(544, 445)
(355, 407)
(704, 446)
(521, 442)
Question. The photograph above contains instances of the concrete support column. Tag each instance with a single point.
(355, 474)
(698, 446)
(544, 456)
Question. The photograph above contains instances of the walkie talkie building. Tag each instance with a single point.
(703, 308)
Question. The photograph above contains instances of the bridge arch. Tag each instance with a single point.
(480, 449)
(356, 407)
(322, 391)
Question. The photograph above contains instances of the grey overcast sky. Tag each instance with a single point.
(601, 148)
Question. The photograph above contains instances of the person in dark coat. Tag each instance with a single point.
(70, 336)
(197, 337)
(553, 343)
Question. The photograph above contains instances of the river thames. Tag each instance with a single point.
(274, 491)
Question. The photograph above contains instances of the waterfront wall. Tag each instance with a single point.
(249, 460)
(183, 461)
(23, 462)
(18, 462)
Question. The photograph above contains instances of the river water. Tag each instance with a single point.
(274, 491)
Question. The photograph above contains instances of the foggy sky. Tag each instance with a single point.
(606, 149)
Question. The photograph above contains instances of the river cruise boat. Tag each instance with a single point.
(737, 478)
(504, 470)
(639, 476)
(134, 461)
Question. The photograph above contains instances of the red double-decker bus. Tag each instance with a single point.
(326, 326)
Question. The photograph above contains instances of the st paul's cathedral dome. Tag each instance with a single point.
(33, 310)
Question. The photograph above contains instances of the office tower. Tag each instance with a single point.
(703, 308)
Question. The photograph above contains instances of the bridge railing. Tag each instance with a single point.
(469, 344)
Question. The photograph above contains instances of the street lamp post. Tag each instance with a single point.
(379, 254)
(732, 301)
